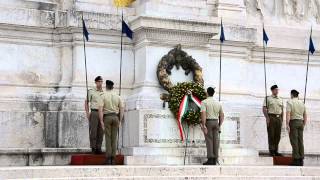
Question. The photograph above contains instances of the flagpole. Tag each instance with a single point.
(307, 72)
(220, 71)
(265, 71)
(85, 62)
(120, 81)
(220, 65)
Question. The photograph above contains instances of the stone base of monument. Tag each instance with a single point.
(161, 172)
(155, 140)
(52, 157)
(194, 156)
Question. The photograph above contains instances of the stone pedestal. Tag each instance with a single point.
(152, 137)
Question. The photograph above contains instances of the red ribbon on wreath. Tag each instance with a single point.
(183, 108)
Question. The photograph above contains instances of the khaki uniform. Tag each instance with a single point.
(213, 110)
(297, 110)
(95, 129)
(274, 105)
(111, 107)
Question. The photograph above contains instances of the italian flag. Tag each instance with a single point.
(183, 110)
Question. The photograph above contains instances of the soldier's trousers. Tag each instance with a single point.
(274, 131)
(111, 123)
(296, 138)
(212, 138)
(95, 130)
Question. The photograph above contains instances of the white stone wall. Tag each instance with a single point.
(42, 76)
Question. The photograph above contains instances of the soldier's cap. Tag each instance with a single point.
(98, 78)
(109, 83)
(274, 87)
(293, 91)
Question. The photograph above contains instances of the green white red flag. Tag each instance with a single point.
(183, 110)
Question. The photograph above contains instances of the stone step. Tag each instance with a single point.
(163, 172)
(191, 160)
(191, 151)
(192, 177)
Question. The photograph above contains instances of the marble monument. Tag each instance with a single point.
(42, 75)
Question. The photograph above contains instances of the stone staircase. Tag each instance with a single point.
(161, 172)
(194, 156)
(133, 156)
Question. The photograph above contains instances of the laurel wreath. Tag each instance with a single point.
(179, 58)
(178, 92)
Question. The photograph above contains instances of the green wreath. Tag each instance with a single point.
(179, 58)
(192, 116)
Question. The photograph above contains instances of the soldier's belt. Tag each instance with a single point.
(94, 110)
(296, 119)
(275, 115)
(111, 114)
(212, 119)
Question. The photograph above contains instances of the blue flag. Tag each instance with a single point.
(85, 30)
(311, 46)
(222, 38)
(265, 36)
(126, 30)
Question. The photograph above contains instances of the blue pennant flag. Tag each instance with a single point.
(126, 30)
(265, 36)
(85, 30)
(311, 46)
(222, 38)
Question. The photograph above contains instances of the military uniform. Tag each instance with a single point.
(296, 108)
(274, 105)
(95, 129)
(111, 108)
(213, 110)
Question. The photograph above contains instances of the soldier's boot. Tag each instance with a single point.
(277, 153)
(109, 161)
(93, 150)
(295, 162)
(98, 151)
(210, 161)
(272, 153)
(214, 161)
(301, 162)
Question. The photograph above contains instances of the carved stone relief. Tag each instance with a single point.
(286, 10)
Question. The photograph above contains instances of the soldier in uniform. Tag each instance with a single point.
(111, 116)
(296, 120)
(273, 112)
(212, 117)
(95, 128)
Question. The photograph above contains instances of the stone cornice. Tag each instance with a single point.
(171, 31)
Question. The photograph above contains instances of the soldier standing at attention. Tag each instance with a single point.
(296, 120)
(111, 116)
(273, 112)
(95, 128)
(211, 120)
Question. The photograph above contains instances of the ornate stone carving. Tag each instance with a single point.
(290, 10)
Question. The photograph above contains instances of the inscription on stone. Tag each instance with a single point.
(162, 128)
